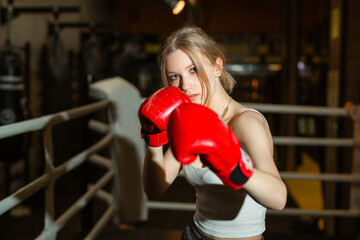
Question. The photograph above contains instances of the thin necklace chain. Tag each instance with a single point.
(226, 109)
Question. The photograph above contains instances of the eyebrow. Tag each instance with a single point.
(187, 67)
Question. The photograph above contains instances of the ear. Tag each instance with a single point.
(219, 66)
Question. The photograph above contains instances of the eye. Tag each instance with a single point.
(193, 69)
(174, 77)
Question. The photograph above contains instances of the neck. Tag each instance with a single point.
(219, 102)
(223, 114)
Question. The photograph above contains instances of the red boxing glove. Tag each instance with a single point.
(155, 111)
(196, 130)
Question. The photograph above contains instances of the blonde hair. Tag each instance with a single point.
(193, 40)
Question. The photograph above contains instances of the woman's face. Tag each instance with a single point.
(181, 72)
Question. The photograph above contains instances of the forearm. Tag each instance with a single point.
(154, 176)
(159, 170)
(267, 189)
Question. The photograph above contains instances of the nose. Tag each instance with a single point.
(185, 84)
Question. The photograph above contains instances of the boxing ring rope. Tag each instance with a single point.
(315, 142)
(178, 206)
(47, 181)
(298, 109)
(352, 178)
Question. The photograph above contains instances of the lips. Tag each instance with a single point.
(193, 96)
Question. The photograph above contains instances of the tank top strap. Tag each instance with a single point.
(249, 109)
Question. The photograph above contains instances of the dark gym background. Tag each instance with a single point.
(300, 52)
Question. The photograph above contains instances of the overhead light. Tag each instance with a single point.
(176, 5)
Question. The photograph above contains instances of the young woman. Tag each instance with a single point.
(192, 69)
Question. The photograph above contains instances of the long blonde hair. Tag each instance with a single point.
(193, 40)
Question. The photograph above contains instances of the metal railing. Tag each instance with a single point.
(52, 173)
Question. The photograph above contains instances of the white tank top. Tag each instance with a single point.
(221, 211)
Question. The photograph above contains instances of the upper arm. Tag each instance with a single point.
(254, 135)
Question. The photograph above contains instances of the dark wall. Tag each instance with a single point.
(226, 16)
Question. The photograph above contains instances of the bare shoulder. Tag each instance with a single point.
(245, 117)
(250, 126)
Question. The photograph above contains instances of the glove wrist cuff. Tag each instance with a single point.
(155, 139)
(238, 175)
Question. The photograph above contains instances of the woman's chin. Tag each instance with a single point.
(196, 100)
